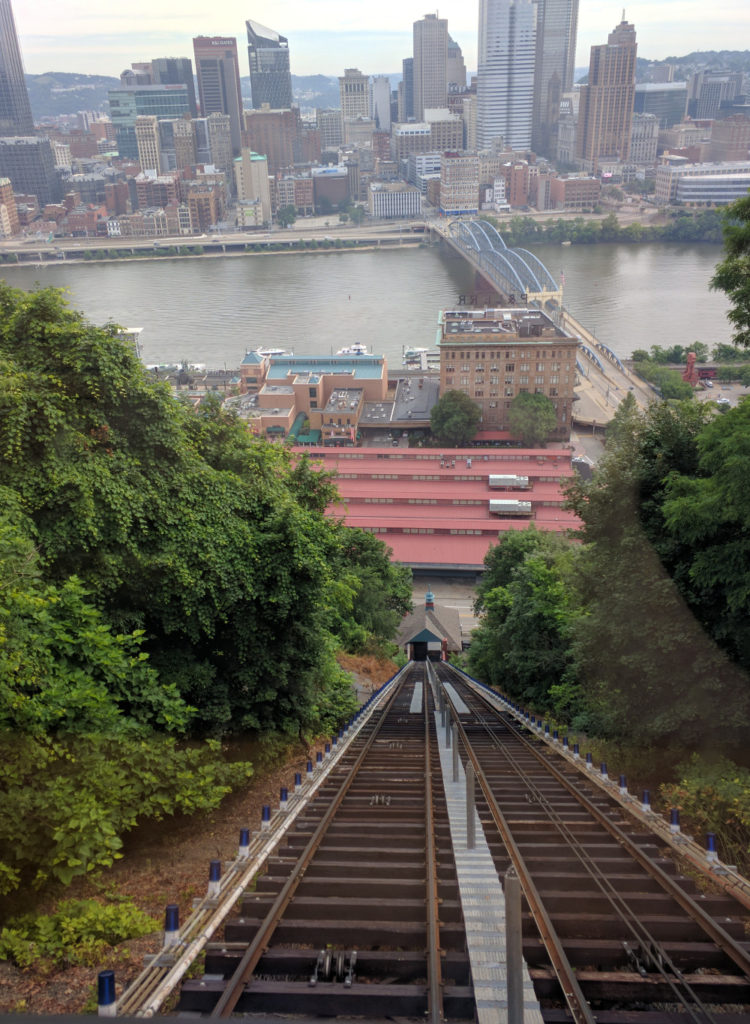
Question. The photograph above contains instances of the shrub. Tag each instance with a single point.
(78, 933)
(714, 796)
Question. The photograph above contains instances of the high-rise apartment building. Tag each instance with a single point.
(606, 108)
(380, 103)
(455, 68)
(176, 71)
(149, 144)
(430, 63)
(30, 165)
(251, 181)
(15, 109)
(15, 115)
(406, 90)
(355, 94)
(130, 102)
(556, 27)
(218, 72)
(270, 77)
(505, 77)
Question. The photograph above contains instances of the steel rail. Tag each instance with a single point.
(662, 962)
(235, 986)
(572, 992)
(717, 934)
(434, 971)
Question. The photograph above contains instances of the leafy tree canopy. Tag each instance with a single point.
(733, 273)
(209, 546)
(455, 419)
(532, 418)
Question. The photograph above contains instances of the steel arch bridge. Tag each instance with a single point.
(512, 271)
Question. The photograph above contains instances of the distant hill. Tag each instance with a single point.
(59, 92)
(715, 60)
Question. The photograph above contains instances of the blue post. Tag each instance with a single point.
(283, 798)
(589, 761)
(297, 781)
(674, 820)
(244, 847)
(646, 803)
(105, 986)
(556, 736)
(171, 925)
(318, 760)
(309, 769)
(711, 855)
(265, 818)
(623, 786)
(214, 878)
(603, 769)
(576, 751)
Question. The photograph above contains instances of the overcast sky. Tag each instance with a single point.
(327, 35)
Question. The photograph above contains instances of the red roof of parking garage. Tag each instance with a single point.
(432, 512)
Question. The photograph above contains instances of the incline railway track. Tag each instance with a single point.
(357, 907)
(613, 931)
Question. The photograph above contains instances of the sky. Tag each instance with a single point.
(325, 36)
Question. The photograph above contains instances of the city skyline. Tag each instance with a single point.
(93, 40)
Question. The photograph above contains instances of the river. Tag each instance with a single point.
(212, 310)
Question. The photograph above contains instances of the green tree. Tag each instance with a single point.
(286, 216)
(177, 525)
(532, 418)
(733, 273)
(523, 641)
(707, 515)
(454, 419)
(638, 644)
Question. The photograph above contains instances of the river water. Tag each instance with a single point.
(212, 310)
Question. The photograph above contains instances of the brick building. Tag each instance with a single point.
(492, 355)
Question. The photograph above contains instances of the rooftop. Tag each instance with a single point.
(344, 398)
(360, 367)
(516, 323)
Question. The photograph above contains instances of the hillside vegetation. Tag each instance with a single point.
(163, 578)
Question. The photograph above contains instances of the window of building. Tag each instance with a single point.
(524, 379)
(464, 381)
(494, 380)
(554, 379)
(553, 391)
(465, 368)
(540, 367)
(539, 380)
(509, 391)
(538, 391)
(525, 366)
(479, 393)
(511, 367)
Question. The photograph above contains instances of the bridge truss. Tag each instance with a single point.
(516, 273)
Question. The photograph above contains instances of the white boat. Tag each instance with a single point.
(357, 349)
(271, 353)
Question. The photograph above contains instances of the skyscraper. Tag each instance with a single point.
(175, 71)
(15, 109)
(354, 89)
(218, 72)
(270, 78)
(406, 90)
(380, 103)
(605, 114)
(556, 26)
(430, 63)
(505, 79)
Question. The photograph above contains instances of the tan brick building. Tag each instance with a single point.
(492, 355)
